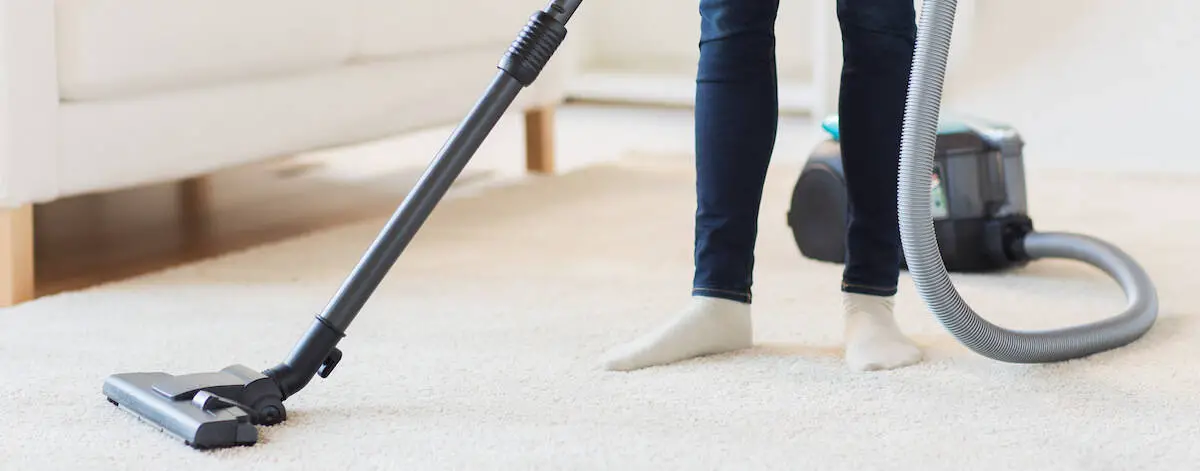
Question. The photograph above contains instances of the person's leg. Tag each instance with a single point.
(737, 117)
(878, 40)
(737, 113)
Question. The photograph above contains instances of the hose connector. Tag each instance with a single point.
(1004, 240)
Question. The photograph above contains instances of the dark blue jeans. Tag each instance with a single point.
(737, 112)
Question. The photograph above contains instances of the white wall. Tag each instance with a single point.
(1103, 83)
(661, 36)
(1093, 83)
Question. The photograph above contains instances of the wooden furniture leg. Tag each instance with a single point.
(195, 204)
(16, 255)
(539, 140)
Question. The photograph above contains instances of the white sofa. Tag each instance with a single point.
(108, 94)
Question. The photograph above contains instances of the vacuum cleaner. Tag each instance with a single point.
(977, 197)
(224, 408)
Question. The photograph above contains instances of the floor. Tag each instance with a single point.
(479, 350)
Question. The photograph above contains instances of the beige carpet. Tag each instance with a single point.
(479, 350)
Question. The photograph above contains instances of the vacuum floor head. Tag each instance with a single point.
(205, 410)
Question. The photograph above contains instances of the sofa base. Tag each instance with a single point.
(539, 140)
(17, 266)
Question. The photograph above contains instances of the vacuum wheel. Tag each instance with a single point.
(819, 210)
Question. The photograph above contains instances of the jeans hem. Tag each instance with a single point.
(868, 290)
(739, 296)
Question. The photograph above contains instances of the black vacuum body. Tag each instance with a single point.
(977, 198)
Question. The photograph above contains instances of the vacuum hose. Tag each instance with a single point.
(924, 261)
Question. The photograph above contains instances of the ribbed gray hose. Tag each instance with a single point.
(925, 262)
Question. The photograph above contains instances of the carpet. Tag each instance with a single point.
(479, 350)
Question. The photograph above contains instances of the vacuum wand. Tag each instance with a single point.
(220, 409)
(316, 352)
(429, 190)
(520, 66)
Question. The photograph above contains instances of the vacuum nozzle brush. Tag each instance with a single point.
(205, 410)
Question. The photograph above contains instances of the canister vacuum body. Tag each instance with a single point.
(977, 198)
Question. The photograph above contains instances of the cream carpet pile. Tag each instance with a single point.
(479, 351)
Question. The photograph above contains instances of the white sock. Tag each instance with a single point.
(707, 327)
(873, 340)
